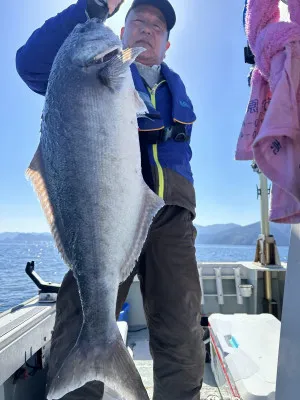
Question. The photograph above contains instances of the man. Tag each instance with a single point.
(167, 267)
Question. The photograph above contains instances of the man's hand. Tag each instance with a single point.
(114, 5)
(94, 8)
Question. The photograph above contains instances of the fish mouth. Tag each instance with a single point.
(104, 57)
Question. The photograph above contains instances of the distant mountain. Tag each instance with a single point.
(25, 237)
(225, 234)
(243, 235)
(7, 235)
(203, 232)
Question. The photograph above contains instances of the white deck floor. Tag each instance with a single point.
(139, 343)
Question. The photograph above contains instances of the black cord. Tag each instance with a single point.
(138, 330)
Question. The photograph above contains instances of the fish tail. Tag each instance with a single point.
(107, 361)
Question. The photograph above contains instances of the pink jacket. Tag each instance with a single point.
(271, 129)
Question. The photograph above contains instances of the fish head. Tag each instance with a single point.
(98, 52)
(93, 42)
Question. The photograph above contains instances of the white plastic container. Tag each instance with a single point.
(246, 290)
(244, 353)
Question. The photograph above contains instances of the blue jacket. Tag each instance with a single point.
(168, 163)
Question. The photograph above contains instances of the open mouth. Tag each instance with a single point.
(104, 57)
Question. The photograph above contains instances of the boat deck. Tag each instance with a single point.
(26, 329)
(139, 343)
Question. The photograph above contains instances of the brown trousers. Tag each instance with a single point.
(171, 292)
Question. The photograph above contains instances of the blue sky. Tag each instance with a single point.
(207, 50)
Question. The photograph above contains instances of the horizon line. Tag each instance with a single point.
(202, 226)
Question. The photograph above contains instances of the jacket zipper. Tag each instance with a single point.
(161, 182)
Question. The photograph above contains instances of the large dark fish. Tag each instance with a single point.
(87, 174)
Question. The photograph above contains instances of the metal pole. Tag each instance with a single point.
(266, 252)
(264, 205)
(265, 230)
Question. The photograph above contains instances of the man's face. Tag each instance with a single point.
(146, 27)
